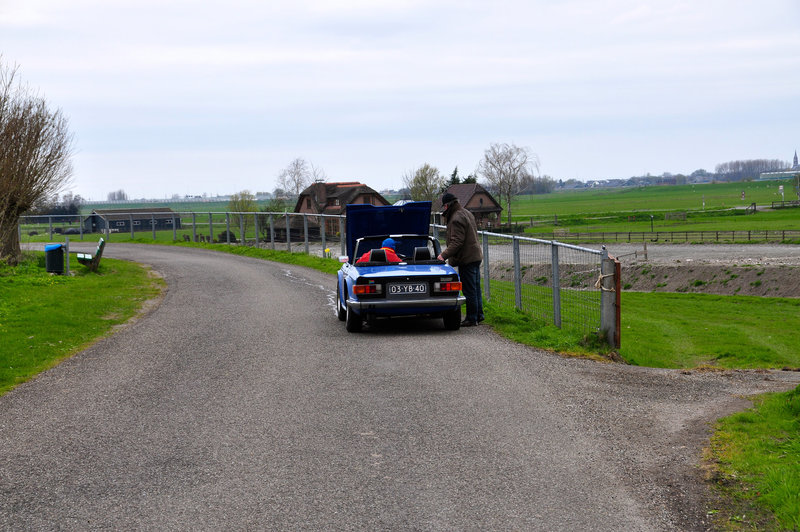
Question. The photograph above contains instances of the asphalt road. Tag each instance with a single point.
(240, 402)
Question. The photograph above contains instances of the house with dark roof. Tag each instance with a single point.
(333, 198)
(125, 220)
(476, 200)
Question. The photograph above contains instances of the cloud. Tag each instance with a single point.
(171, 94)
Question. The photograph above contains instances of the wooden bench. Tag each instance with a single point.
(92, 261)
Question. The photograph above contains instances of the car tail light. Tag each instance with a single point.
(449, 286)
(366, 289)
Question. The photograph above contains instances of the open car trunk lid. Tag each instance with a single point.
(367, 220)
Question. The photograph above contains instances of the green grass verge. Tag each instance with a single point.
(667, 330)
(323, 264)
(45, 318)
(755, 457)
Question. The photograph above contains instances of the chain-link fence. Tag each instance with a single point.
(287, 231)
(565, 285)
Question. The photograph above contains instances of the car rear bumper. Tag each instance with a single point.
(386, 306)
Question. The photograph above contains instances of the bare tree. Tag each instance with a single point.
(299, 175)
(318, 175)
(117, 195)
(504, 166)
(243, 202)
(35, 157)
(425, 183)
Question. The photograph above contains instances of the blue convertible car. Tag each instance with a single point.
(418, 285)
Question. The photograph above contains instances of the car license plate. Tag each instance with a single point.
(408, 288)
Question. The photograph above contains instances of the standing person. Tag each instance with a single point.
(464, 250)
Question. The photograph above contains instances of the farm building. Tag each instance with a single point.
(476, 200)
(122, 220)
(332, 198)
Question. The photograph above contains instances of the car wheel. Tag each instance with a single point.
(452, 319)
(353, 321)
(341, 311)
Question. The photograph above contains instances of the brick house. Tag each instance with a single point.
(477, 200)
(332, 198)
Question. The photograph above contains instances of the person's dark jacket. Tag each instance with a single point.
(463, 246)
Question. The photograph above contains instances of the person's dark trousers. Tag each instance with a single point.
(471, 286)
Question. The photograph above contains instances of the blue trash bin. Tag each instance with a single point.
(54, 258)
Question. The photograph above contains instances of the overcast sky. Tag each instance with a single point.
(178, 97)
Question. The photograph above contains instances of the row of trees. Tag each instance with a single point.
(752, 168)
(68, 204)
(35, 156)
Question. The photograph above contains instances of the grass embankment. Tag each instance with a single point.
(667, 330)
(45, 318)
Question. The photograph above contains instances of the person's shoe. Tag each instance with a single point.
(469, 323)
(480, 319)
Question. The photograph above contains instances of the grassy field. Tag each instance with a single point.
(708, 197)
(630, 209)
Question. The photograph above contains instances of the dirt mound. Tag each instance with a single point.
(780, 280)
(757, 280)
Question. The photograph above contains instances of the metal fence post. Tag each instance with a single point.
(305, 231)
(342, 236)
(556, 285)
(50, 225)
(241, 228)
(130, 220)
(174, 229)
(228, 227)
(194, 227)
(153, 224)
(210, 229)
(272, 231)
(517, 274)
(288, 234)
(322, 233)
(255, 219)
(486, 273)
(609, 305)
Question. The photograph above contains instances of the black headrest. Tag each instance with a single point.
(377, 255)
(422, 253)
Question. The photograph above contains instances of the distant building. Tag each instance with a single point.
(333, 198)
(476, 200)
(789, 173)
(122, 220)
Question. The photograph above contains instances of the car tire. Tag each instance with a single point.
(452, 319)
(341, 311)
(353, 321)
